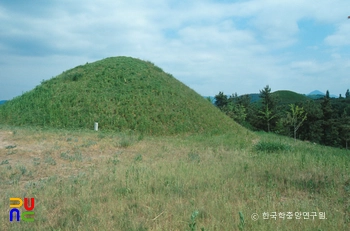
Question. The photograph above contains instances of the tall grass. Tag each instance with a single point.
(157, 183)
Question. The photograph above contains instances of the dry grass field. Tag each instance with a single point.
(86, 180)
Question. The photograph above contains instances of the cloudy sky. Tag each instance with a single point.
(210, 45)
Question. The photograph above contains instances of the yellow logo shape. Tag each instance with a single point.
(13, 205)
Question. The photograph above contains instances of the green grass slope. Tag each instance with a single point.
(120, 93)
(288, 97)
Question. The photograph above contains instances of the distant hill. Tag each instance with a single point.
(2, 101)
(120, 93)
(316, 92)
(288, 97)
(284, 96)
(315, 96)
(254, 97)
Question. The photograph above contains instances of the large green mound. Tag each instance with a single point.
(119, 93)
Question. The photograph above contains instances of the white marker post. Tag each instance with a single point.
(96, 126)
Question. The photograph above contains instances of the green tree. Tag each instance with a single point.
(267, 115)
(253, 117)
(328, 126)
(268, 110)
(244, 100)
(236, 112)
(345, 128)
(210, 99)
(267, 98)
(231, 106)
(221, 100)
(296, 118)
(283, 127)
(347, 94)
(312, 127)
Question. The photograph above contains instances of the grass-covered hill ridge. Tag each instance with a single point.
(120, 93)
(287, 97)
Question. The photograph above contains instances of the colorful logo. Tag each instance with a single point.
(16, 203)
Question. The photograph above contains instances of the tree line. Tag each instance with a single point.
(324, 121)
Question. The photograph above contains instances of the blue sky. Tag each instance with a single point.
(211, 46)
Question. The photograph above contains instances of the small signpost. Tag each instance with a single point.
(96, 126)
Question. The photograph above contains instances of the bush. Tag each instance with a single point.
(270, 147)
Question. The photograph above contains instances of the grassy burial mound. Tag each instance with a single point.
(120, 93)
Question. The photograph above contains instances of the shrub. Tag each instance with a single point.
(270, 147)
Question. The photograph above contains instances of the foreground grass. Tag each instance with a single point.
(82, 180)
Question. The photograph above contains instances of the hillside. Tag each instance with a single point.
(283, 96)
(288, 97)
(120, 93)
(254, 97)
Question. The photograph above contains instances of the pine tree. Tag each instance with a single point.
(267, 98)
(347, 94)
(345, 128)
(268, 109)
(330, 125)
(326, 107)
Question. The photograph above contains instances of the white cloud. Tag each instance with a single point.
(309, 67)
(210, 46)
(341, 37)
